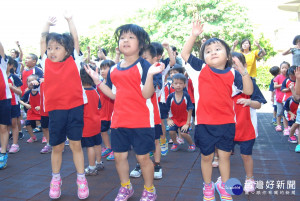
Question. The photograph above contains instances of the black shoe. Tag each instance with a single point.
(21, 135)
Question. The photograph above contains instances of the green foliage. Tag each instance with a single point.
(171, 21)
(264, 77)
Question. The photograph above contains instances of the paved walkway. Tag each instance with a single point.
(28, 173)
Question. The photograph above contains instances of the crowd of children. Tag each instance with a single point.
(130, 103)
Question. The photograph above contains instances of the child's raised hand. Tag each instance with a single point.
(197, 28)
(88, 49)
(297, 73)
(52, 21)
(235, 43)
(256, 43)
(118, 51)
(68, 15)
(239, 66)
(165, 44)
(93, 74)
(156, 68)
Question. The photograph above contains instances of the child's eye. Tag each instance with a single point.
(207, 52)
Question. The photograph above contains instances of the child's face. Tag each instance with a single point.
(283, 69)
(246, 45)
(292, 77)
(129, 44)
(29, 80)
(173, 72)
(298, 43)
(178, 85)
(215, 55)
(29, 62)
(104, 71)
(13, 54)
(55, 51)
(149, 58)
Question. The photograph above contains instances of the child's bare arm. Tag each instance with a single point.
(287, 52)
(20, 50)
(28, 106)
(186, 126)
(118, 55)
(15, 89)
(73, 31)
(188, 46)
(50, 22)
(170, 53)
(247, 82)
(297, 86)
(248, 102)
(2, 54)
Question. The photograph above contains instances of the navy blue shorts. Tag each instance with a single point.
(164, 113)
(246, 147)
(31, 123)
(5, 111)
(194, 112)
(175, 128)
(44, 121)
(158, 131)
(207, 137)
(15, 111)
(141, 139)
(290, 123)
(105, 126)
(91, 141)
(65, 123)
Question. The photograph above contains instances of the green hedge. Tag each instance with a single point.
(264, 77)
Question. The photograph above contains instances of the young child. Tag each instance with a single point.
(130, 83)
(180, 109)
(295, 51)
(31, 68)
(44, 121)
(15, 88)
(162, 96)
(275, 70)
(215, 82)
(246, 125)
(91, 137)
(5, 108)
(18, 57)
(290, 111)
(64, 100)
(31, 101)
(286, 89)
(150, 55)
(107, 106)
(278, 80)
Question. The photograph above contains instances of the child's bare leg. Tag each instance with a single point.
(157, 152)
(278, 119)
(122, 166)
(98, 153)
(293, 129)
(248, 165)
(188, 138)
(3, 137)
(30, 131)
(147, 168)
(105, 139)
(91, 155)
(173, 136)
(15, 130)
(206, 167)
(163, 127)
(224, 164)
(285, 123)
(77, 155)
(46, 133)
(56, 157)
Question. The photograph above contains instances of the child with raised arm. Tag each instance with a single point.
(180, 109)
(215, 82)
(91, 137)
(64, 100)
(131, 84)
(107, 107)
(245, 107)
(5, 107)
(15, 89)
(18, 57)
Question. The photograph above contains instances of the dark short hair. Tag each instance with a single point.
(179, 76)
(151, 50)
(241, 46)
(159, 48)
(85, 77)
(240, 56)
(139, 32)
(65, 39)
(291, 70)
(285, 62)
(16, 52)
(33, 56)
(177, 68)
(275, 70)
(107, 62)
(296, 39)
(36, 77)
(10, 60)
(217, 40)
(174, 49)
